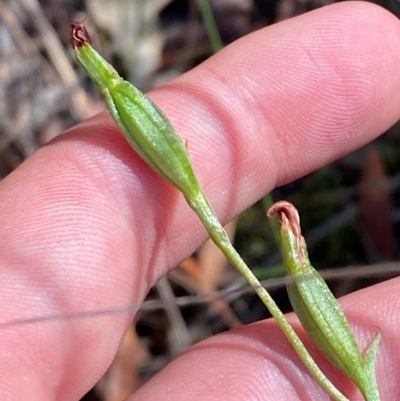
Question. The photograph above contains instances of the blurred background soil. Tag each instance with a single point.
(348, 209)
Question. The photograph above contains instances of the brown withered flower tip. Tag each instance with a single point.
(289, 219)
(79, 34)
(288, 215)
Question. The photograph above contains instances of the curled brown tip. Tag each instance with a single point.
(288, 215)
(289, 219)
(79, 34)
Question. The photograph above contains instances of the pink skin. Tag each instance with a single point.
(85, 224)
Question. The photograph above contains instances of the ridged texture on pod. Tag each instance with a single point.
(143, 124)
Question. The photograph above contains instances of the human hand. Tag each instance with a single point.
(87, 225)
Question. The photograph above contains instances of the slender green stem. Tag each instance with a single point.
(217, 233)
(211, 27)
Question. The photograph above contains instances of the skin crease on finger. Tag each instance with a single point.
(86, 225)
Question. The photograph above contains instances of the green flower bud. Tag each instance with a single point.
(318, 310)
(143, 124)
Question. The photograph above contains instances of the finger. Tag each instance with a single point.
(87, 225)
(257, 363)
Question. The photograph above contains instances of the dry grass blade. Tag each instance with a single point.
(122, 379)
(179, 337)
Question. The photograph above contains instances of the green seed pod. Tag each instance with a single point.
(318, 310)
(143, 124)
